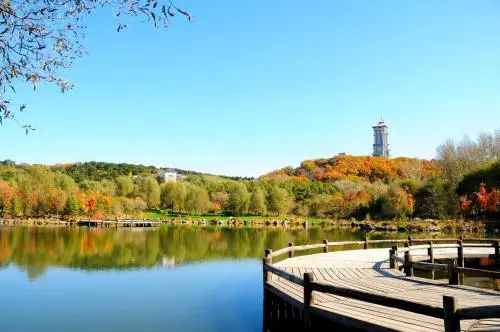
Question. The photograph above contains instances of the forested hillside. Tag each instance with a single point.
(359, 168)
(462, 182)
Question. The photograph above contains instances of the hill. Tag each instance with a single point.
(358, 168)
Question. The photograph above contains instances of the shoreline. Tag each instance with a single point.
(416, 225)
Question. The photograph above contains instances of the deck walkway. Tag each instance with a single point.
(369, 271)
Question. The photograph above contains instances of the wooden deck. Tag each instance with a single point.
(119, 223)
(369, 271)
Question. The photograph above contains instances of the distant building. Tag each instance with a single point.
(380, 143)
(169, 175)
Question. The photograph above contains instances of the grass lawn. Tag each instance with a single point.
(159, 215)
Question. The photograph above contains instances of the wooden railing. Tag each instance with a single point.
(455, 267)
(449, 312)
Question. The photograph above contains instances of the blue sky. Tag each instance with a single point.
(251, 86)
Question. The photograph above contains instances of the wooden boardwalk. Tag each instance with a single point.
(119, 223)
(368, 272)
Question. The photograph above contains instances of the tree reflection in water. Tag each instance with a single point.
(37, 249)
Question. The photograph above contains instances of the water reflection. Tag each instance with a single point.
(169, 279)
(37, 249)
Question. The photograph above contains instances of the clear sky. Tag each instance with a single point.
(251, 86)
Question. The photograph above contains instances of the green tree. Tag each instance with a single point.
(489, 174)
(239, 199)
(320, 205)
(197, 200)
(257, 202)
(150, 191)
(65, 183)
(173, 196)
(72, 206)
(124, 186)
(279, 200)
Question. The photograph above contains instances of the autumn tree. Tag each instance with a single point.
(6, 194)
(398, 203)
(483, 198)
(55, 200)
(465, 205)
(220, 200)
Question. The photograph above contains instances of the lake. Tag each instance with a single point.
(176, 278)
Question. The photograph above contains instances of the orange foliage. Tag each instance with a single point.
(56, 199)
(410, 203)
(107, 200)
(107, 247)
(6, 193)
(319, 174)
(99, 215)
(364, 168)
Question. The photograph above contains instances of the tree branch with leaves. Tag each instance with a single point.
(38, 38)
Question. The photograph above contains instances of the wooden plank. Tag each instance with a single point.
(357, 287)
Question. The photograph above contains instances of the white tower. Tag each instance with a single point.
(380, 143)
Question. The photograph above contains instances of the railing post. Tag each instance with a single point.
(266, 300)
(460, 253)
(430, 253)
(365, 246)
(451, 321)
(268, 260)
(308, 301)
(308, 295)
(409, 240)
(290, 253)
(325, 242)
(497, 253)
(396, 263)
(408, 267)
(392, 262)
(453, 273)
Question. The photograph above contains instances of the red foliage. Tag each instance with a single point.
(465, 204)
(482, 197)
(494, 201)
(90, 204)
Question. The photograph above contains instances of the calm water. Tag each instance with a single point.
(171, 279)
